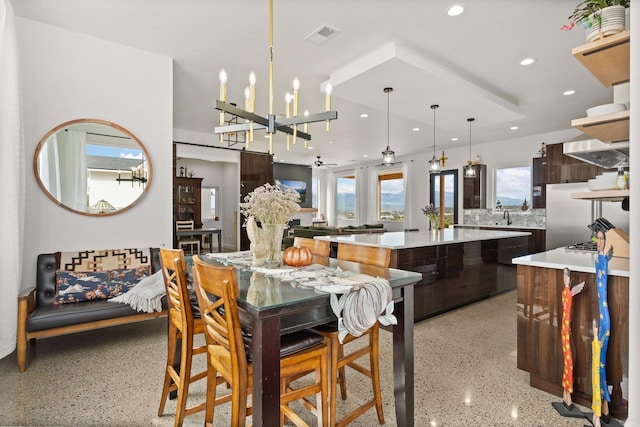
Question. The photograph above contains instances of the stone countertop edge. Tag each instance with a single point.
(574, 260)
(408, 240)
(516, 227)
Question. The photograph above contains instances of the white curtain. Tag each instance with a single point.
(12, 179)
(49, 167)
(72, 165)
(362, 196)
(331, 199)
(409, 208)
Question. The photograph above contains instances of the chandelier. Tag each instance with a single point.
(469, 169)
(388, 155)
(289, 124)
(434, 163)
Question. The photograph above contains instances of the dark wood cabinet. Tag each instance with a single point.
(187, 200)
(474, 191)
(256, 169)
(561, 168)
(539, 181)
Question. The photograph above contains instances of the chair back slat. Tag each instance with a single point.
(217, 291)
(173, 270)
(318, 247)
(184, 225)
(371, 255)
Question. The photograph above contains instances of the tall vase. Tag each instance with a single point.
(272, 234)
(435, 223)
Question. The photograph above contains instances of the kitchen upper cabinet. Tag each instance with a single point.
(474, 191)
(561, 168)
(539, 181)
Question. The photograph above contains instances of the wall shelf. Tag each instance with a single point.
(607, 59)
(604, 196)
(610, 127)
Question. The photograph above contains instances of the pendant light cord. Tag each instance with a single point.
(388, 90)
(434, 107)
(470, 120)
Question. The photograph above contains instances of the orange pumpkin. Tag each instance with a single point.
(297, 256)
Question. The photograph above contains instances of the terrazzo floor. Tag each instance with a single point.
(465, 366)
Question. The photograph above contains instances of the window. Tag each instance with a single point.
(513, 186)
(315, 190)
(450, 194)
(390, 196)
(210, 203)
(346, 197)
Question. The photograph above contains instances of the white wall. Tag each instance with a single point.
(513, 152)
(65, 76)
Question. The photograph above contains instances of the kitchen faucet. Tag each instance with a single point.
(506, 215)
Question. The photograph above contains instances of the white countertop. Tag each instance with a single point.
(516, 227)
(575, 260)
(417, 239)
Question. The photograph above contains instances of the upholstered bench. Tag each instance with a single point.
(73, 289)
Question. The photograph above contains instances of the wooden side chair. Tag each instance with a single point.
(301, 352)
(366, 255)
(318, 247)
(191, 242)
(183, 325)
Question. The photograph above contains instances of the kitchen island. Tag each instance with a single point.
(540, 284)
(458, 266)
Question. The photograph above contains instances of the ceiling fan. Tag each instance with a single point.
(319, 163)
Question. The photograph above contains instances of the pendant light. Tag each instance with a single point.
(469, 169)
(388, 155)
(434, 163)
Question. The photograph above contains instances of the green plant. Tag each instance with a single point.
(581, 14)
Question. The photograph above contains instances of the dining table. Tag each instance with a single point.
(204, 231)
(271, 306)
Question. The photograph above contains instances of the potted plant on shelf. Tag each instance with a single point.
(525, 205)
(600, 18)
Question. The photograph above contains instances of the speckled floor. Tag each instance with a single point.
(465, 363)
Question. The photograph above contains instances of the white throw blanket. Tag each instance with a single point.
(145, 296)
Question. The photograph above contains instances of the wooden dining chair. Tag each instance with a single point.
(183, 326)
(188, 241)
(379, 257)
(229, 350)
(318, 247)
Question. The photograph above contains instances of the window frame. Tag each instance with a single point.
(529, 196)
(347, 175)
(456, 190)
(384, 176)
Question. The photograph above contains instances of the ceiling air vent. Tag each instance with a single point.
(322, 34)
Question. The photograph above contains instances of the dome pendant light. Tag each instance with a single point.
(388, 155)
(434, 163)
(469, 169)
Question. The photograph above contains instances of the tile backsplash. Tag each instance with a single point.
(528, 218)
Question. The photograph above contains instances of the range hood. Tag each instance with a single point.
(606, 155)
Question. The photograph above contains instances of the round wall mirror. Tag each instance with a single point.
(92, 167)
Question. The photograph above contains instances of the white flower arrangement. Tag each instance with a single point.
(271, 204)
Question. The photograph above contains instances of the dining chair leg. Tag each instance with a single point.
(374, 362)
(212, 383)
(183, 382)
(342, 379)
(238, 405)
(333, 374)
(171, 351)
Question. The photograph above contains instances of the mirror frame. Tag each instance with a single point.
(53, 131)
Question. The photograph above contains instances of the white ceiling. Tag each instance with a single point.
(469, 65)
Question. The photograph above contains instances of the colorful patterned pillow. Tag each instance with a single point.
(76, 286)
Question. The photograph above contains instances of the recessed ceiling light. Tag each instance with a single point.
(514, 128)
(455, 10)
(454, 139)
(309, 148)
(569, 92)
(330, 142)
(416, 129)
(527, 61)
(364, 115)
(365, 155)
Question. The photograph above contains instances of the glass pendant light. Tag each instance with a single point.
(469, 169)
(434, 163)
(388, 155)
